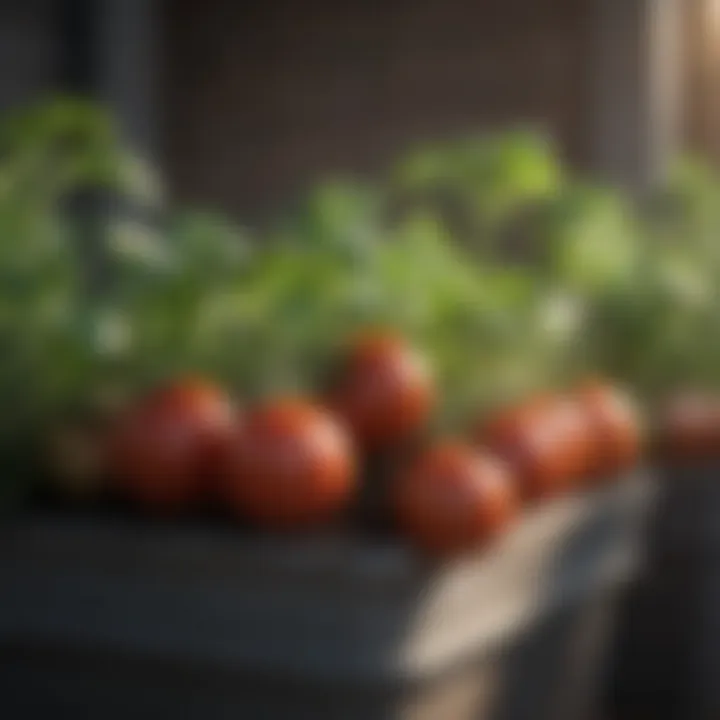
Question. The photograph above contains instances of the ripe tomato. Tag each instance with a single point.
(385, 391)
(502, 422)
(289, 464)
(577, 436)
(454, 498)
(689, 427)
(533, 439)
(615, 425)
(163, 449)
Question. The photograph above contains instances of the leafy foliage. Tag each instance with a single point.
(509, 273)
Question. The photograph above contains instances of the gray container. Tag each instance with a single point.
(667, 655)
(113, 619)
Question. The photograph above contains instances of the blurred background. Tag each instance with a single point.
(210, 198)
(241, 104)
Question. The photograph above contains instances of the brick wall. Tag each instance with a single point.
(260, 98)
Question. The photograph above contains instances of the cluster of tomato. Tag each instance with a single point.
(293, 463)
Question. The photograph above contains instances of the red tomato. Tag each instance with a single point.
(615, 425)
(502, 422)
(163, 449)
(454, 498)
(289, 464)
(385, 392)
(532, 439)
(689, 427)
(576, 434)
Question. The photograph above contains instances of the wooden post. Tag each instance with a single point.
(637, 100)
(702, 58)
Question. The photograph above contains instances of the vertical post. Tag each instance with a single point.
(703, 65)
(126, 51)
(78, 75)
(636, 108)
(110, 57)
(77, 67)
(712, 64)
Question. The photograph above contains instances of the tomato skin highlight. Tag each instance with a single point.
(616, 427)
(453, 498)
(162, 449)
(385, 391)
(289, 464)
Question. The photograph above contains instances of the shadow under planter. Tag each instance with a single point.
(667, 654)
(114, 618)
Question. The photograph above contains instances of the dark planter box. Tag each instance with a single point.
(115, 619)
(667, 656)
